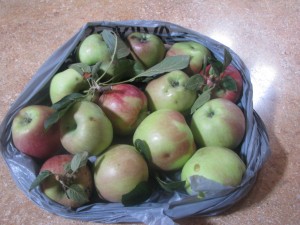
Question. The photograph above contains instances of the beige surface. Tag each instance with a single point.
(265, 34)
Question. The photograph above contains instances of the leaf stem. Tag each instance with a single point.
(112, 58)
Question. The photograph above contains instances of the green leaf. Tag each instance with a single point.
(229, 83)
(76, 193)
(138, 195)
(205, 62)
(55, 117)
(138, 68)
(122, 49)
(61, 108)
(169, 64)
(79, 160)
(194, 82)
(143, 148)
(110, 40)
(216, 67)
(67, 168)
(81, 68)
(170, 186)
(201, 100)
(40, 178)
(65, 101)
(227, 59)
(116, 45)
(95, 70)
(124, 68)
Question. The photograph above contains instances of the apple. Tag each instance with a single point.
(118, 171)
(85, 127)
(29, 135)
(169, 92)
(196, 51)
(56, 184)
(66, 82)
(126, 106)
(218, 164)
(230, 76)
(149, 49)
(168, 137)
(93, 49)
(219, 122)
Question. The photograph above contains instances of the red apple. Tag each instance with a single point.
(29, 134)
(149, 49)
(60, 180)
(126, 106)
(169, 138)
(228, 85)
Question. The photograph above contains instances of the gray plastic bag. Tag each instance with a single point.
(161, 207)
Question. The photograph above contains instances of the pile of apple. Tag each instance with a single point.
(129, 113)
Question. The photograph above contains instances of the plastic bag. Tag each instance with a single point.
(162, 207)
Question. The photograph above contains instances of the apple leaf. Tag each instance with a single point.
(110, 39)
(65, 101)
(204, 65)
(61, 108)
(143, 148)
(122, 49)
(40, 178)
(169, 64)
(77, 193)
(67, 168)
(115, 44)
(138, 68)
(54, 118)
(79, 160)
(95, 70)
(138, 195)
(194, 82)
(229, 83)
(124, 68)
(81, 68)
(201, 100)
(170, 185)
(216, 67)
(227, 59)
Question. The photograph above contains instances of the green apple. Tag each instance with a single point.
(93, 49)
(149, 49)
(168, 137)
(169, 92)
(66, 82)
(196, 51)
(118, 171)
(85, 127)
(218, 164)
(29, 135)
(219, 122)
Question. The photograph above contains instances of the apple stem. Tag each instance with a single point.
(63, 180)
(102, 89)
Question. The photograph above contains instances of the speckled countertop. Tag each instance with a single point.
(265, 34)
